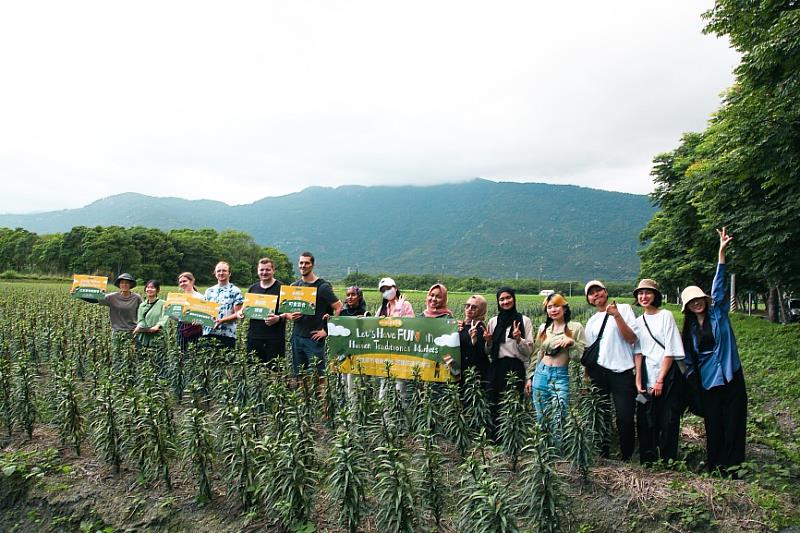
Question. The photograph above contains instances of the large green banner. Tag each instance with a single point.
(364, 345)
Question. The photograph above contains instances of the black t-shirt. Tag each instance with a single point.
(304, 325)
(258, 328)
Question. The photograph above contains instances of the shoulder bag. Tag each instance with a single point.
(592, 352)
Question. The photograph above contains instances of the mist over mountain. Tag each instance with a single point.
(481, 228)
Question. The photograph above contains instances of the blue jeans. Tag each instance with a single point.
(306, 351)
(547, 381)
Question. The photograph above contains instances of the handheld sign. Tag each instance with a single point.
(298, 299)
(259, 306)
(89, 287)
(175, 303)
(200, 311)
(363, 345)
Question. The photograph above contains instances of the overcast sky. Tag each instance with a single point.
(235, 101)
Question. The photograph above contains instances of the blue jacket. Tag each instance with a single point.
(718, 366)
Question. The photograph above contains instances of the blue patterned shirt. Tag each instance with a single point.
(227, 296)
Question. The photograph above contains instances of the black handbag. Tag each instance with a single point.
(592, 352)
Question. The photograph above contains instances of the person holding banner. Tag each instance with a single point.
(713, 354)
(470, 331)
(230, 301)
(151, 319)
(123, 306)
(509, 336)
(354, 303)
(436, 302)
(393, 303)
(267, 337)
(188, 332)
(558, 341)
(309, 331)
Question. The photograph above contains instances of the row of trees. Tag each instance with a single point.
(423, 282)
(144, 252)
(743, 171)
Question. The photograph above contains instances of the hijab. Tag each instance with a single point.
(442, 310)
(505, 320)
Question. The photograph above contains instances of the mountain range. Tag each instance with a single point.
(481, 228)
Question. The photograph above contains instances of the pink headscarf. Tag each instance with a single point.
(442, 310)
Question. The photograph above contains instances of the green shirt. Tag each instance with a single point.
(150, 315)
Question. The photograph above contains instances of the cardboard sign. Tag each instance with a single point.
(365, 344)
(298, 299)
(89, 287)
(200, 311)
(259, 306)
(175, 303)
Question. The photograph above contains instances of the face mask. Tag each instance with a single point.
(389, 294)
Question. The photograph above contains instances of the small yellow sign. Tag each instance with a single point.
(300, 299)
(89, 287)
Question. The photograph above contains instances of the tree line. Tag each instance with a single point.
(423, 282)
(742, 172)
(147, 253)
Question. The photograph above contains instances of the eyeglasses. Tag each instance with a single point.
(470, 306)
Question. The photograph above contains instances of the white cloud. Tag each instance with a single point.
(335, 330)
(254, 99)
(450, 339)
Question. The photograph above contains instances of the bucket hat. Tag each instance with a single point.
(125, 277)
(690, 293)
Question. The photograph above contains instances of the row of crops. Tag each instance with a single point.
(290, 451)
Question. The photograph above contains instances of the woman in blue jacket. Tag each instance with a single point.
(711, 350)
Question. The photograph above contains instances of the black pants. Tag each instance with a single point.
(658, 423)
(726, 422)
(621, 387)
(498, 370)
(267, 350)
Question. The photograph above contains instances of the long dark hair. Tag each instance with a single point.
(690, 324)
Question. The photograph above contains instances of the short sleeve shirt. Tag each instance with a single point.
(663, 326)
(227, 296)
(615, 352)
(304, 325)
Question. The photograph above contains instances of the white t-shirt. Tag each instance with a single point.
(615, 352)
(663, 326)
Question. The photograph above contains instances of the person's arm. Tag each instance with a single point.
(718, 287)
(578, 345)
(638, 360)
(525, 342)
(666, 363)
(625, 329)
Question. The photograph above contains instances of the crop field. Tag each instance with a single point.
(96, 435)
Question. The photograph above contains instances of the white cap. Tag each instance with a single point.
(593, 283)
(386, 282)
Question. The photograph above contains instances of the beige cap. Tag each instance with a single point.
(690, 293)
(593, 283)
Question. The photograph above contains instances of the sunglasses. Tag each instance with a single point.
(470, 306)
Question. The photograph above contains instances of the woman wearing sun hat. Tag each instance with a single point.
(711, 350)
(659, 381)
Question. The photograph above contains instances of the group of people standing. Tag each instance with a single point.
(646, 366)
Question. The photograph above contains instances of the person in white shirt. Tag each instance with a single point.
(614, 375)
(658, 378)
